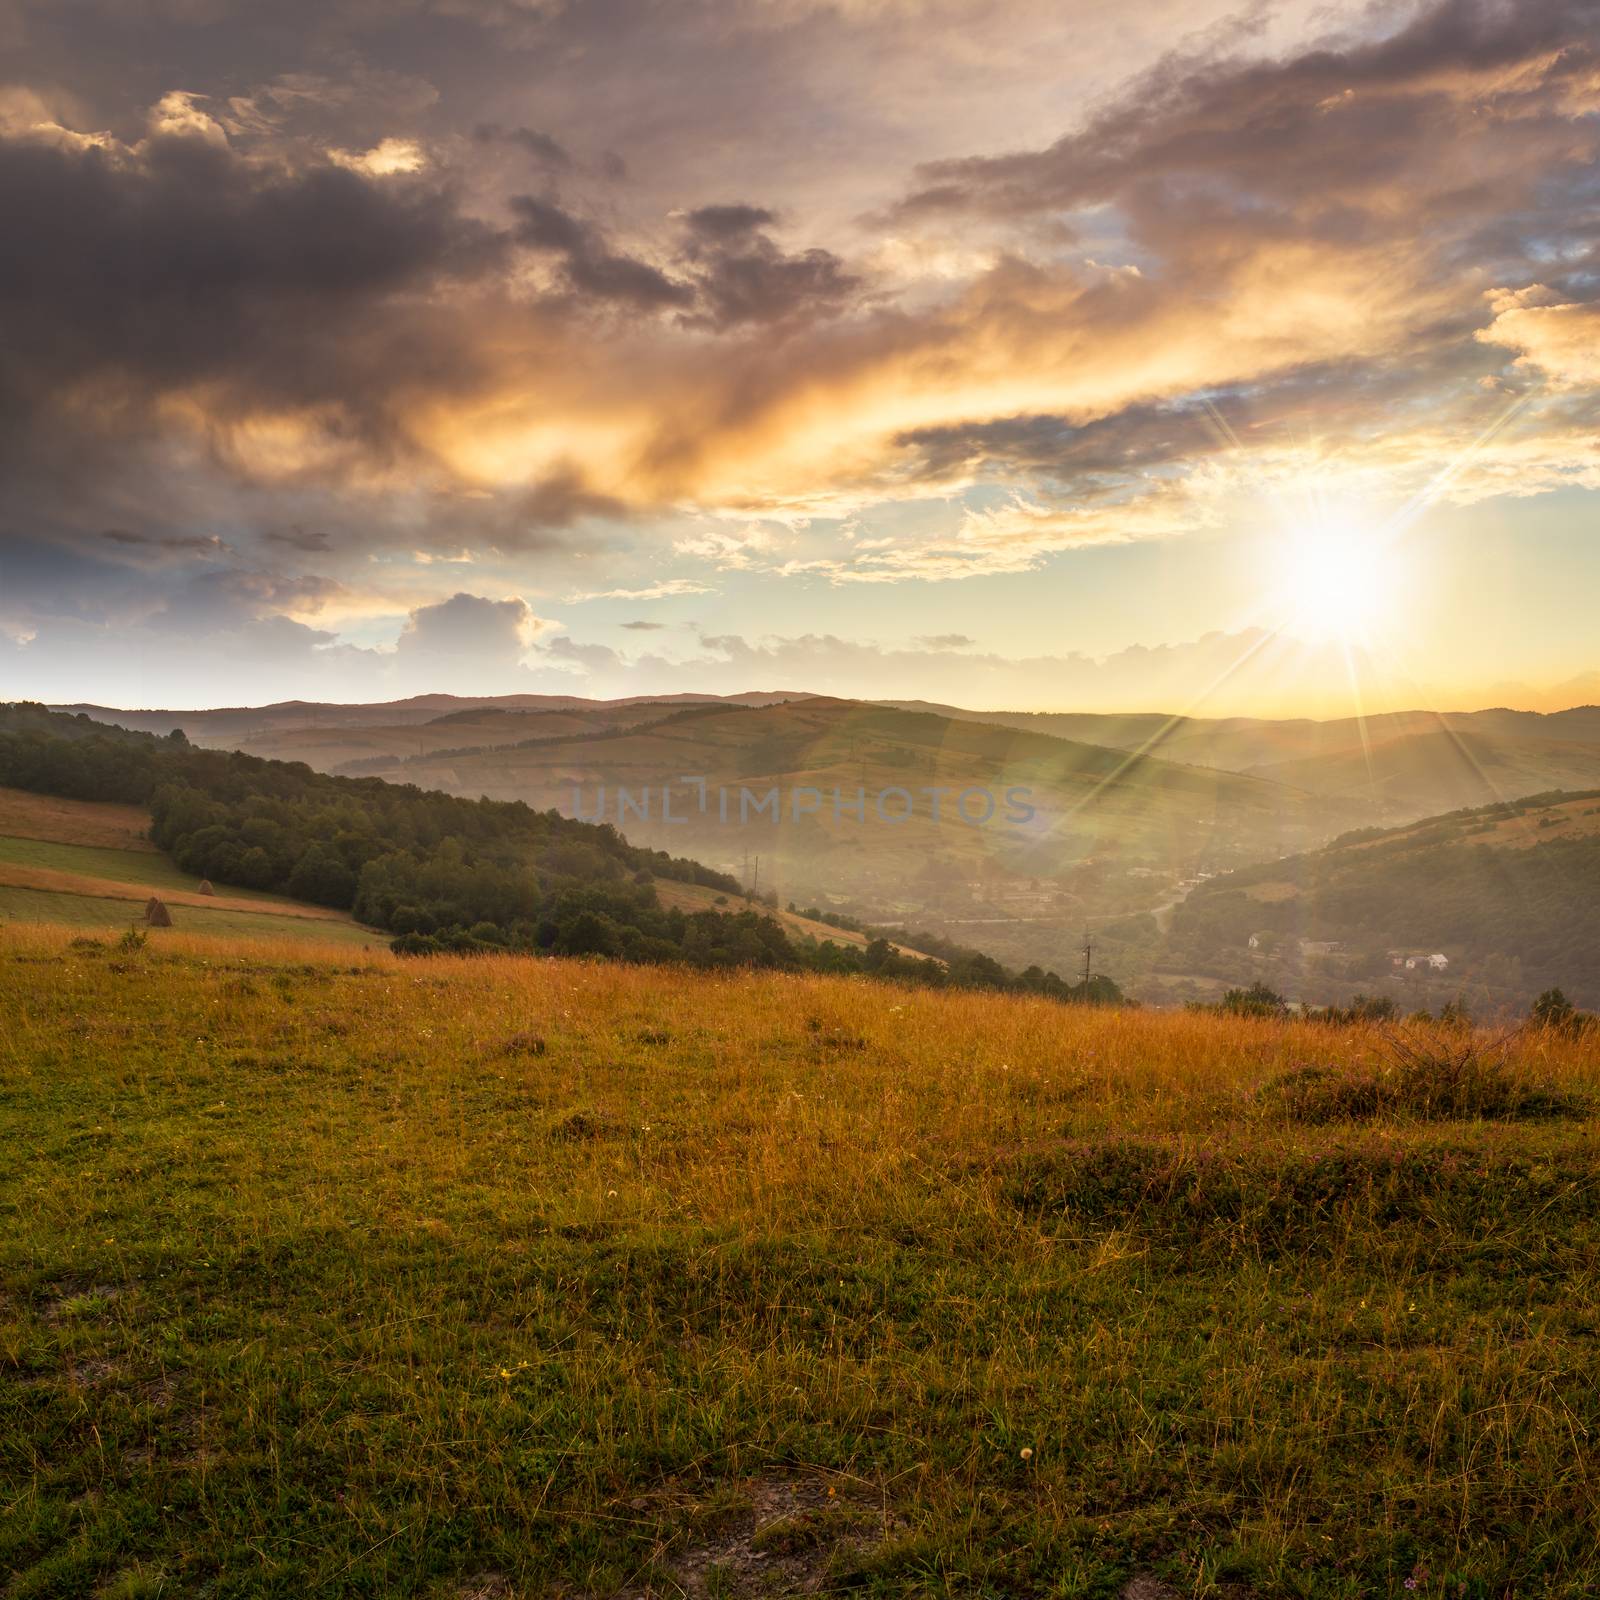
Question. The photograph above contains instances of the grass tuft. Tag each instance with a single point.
(1440, 1077)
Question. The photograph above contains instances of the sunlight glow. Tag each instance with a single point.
(1337, 581)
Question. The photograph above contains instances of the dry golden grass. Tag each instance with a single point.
(44, 878)
(92, 822)
(358, 1275)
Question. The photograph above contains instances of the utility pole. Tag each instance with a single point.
(1088, 956)
(755, 888)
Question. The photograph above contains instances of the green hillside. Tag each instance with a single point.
(1506, 894)
(436, 872)
(493, 1279)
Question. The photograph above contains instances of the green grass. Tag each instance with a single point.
(492, 1277)
(91, 912)
(120, 866)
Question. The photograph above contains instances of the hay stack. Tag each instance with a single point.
(205, 887)
(156, 914)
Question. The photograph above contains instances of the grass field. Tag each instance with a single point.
(99, 823)
(488, 1277)
(19, 904)
(145, 869)
(86, 865)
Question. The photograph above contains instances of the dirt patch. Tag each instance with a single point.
(1146, 1586)
(484, 1586)
(765, 1537)
(75, 1297)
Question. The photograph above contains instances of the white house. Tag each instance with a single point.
(1436, 961)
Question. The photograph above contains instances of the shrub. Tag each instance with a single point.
(1434, 1078)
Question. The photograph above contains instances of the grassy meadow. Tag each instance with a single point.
(88, 865)
(338, 1274)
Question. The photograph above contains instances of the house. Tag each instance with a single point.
(1321, 947)
(1435, 962)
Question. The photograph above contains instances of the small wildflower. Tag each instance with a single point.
(1026, 1453)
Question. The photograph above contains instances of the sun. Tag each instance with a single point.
(1336, 582)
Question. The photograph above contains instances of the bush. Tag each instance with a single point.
(1256, 1001)
(1553, 1010)
(1430, 1078)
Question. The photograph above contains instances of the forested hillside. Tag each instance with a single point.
(1506, 894)
(437, 871)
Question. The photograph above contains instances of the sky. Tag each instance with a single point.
(1122, 354)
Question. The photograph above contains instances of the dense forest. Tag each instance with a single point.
(439, 872)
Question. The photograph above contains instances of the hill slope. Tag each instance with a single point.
(1109, 830)
(1506, 894)
(49, 873)
(504, 1278)
(1400, 765)
(448, 873)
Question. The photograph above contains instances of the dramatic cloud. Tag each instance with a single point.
(744, 277)
(590, 266)
(613, 303)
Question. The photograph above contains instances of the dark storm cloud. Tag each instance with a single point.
(591, 267)
(719, 224)
(1131, 440)
(185, 264)
(744, 277)
(541, 146)
(165, 544)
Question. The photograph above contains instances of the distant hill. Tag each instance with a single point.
(1131, 813)
(1505, 894)
(1111, 830)
(234, 725)
(1400, 765)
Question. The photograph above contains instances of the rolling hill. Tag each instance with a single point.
(1110, 830)
(1505, 895)
(434, 871)
(91, 865)
(1400, 765)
